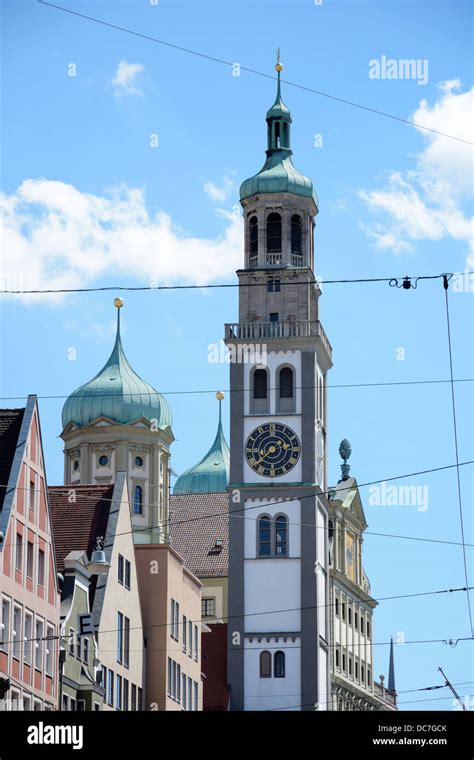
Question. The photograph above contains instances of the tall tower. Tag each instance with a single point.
(278, 567)
(117, 422)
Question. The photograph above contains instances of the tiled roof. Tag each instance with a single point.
(197, 521)
(76, 525)
(10, 425)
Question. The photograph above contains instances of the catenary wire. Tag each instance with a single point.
(131, 394)
(456, 449)
(223, 62)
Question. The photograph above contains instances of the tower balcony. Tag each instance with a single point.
(262, 331)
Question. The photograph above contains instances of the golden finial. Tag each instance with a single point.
(219, 395)
(278, 66)
(118, 302)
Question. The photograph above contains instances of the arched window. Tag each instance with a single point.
(279, 665)
(253, 236)
(260, 383)
(277, 285)
(286, 383)
(137, 500)
(265, 665)
(277, 134)
(296, 234)
(270, 285)
(285, 135)
(274, 233)
(264, 536)
(281, 536)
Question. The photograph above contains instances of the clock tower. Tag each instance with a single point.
(280, 355)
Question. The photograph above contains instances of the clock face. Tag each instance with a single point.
(272, 449)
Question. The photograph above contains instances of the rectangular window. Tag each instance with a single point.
(185, 632)
(110, 688)
(126, 642)
(178, 684)
(81, 705)
(128, 573)
(125, 694)
(72, 642)
(356, 621)
(73, 704)
(49, 649)
(338, 658)
(16, 632)
(208, 607)
(172, 612)
(120, 569)
(139, 699)
(176, 622)
(196, 696)
(119, 637)
(349, 615)
(104, 681)
(190, 638)
(19, 552)
(32, 495)
(29, 560)
(274, 316)
(343, 610)
(196, 643)
(5, 626)
(39, 633)
(118, 692)
(173, 684)
(26, 703)
(344, 662)
(190, 694)
(170, 677)
(134, 698)
(337, 605)
(350, 666)
(356, 665)
(41, 567)
(362, 673)
(368, 629)
(369, 677)
(28, 638)
(183, 687)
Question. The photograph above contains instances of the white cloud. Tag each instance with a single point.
(220, 192)
(54, 236)
(428, 202)
(124, 81)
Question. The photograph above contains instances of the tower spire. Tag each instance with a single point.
(391, 668)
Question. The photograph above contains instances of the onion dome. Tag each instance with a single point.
(278, 174)
(211, 474)
(116, 392)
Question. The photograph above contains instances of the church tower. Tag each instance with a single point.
(117, 422)
(278, 566)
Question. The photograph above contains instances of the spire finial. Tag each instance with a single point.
(345, 450)
(278, 69)
(219, 397)
(118, 303)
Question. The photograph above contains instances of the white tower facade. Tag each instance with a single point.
(278, 653)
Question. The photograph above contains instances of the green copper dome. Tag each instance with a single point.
(278, 174)
(211, 474)
(116, 392)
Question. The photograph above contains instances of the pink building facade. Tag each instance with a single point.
(29, 597)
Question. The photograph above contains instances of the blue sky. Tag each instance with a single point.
(88, 202)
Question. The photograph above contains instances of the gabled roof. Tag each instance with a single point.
(347, 492)
(76, 525)
(197, 521)
(10, 426)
